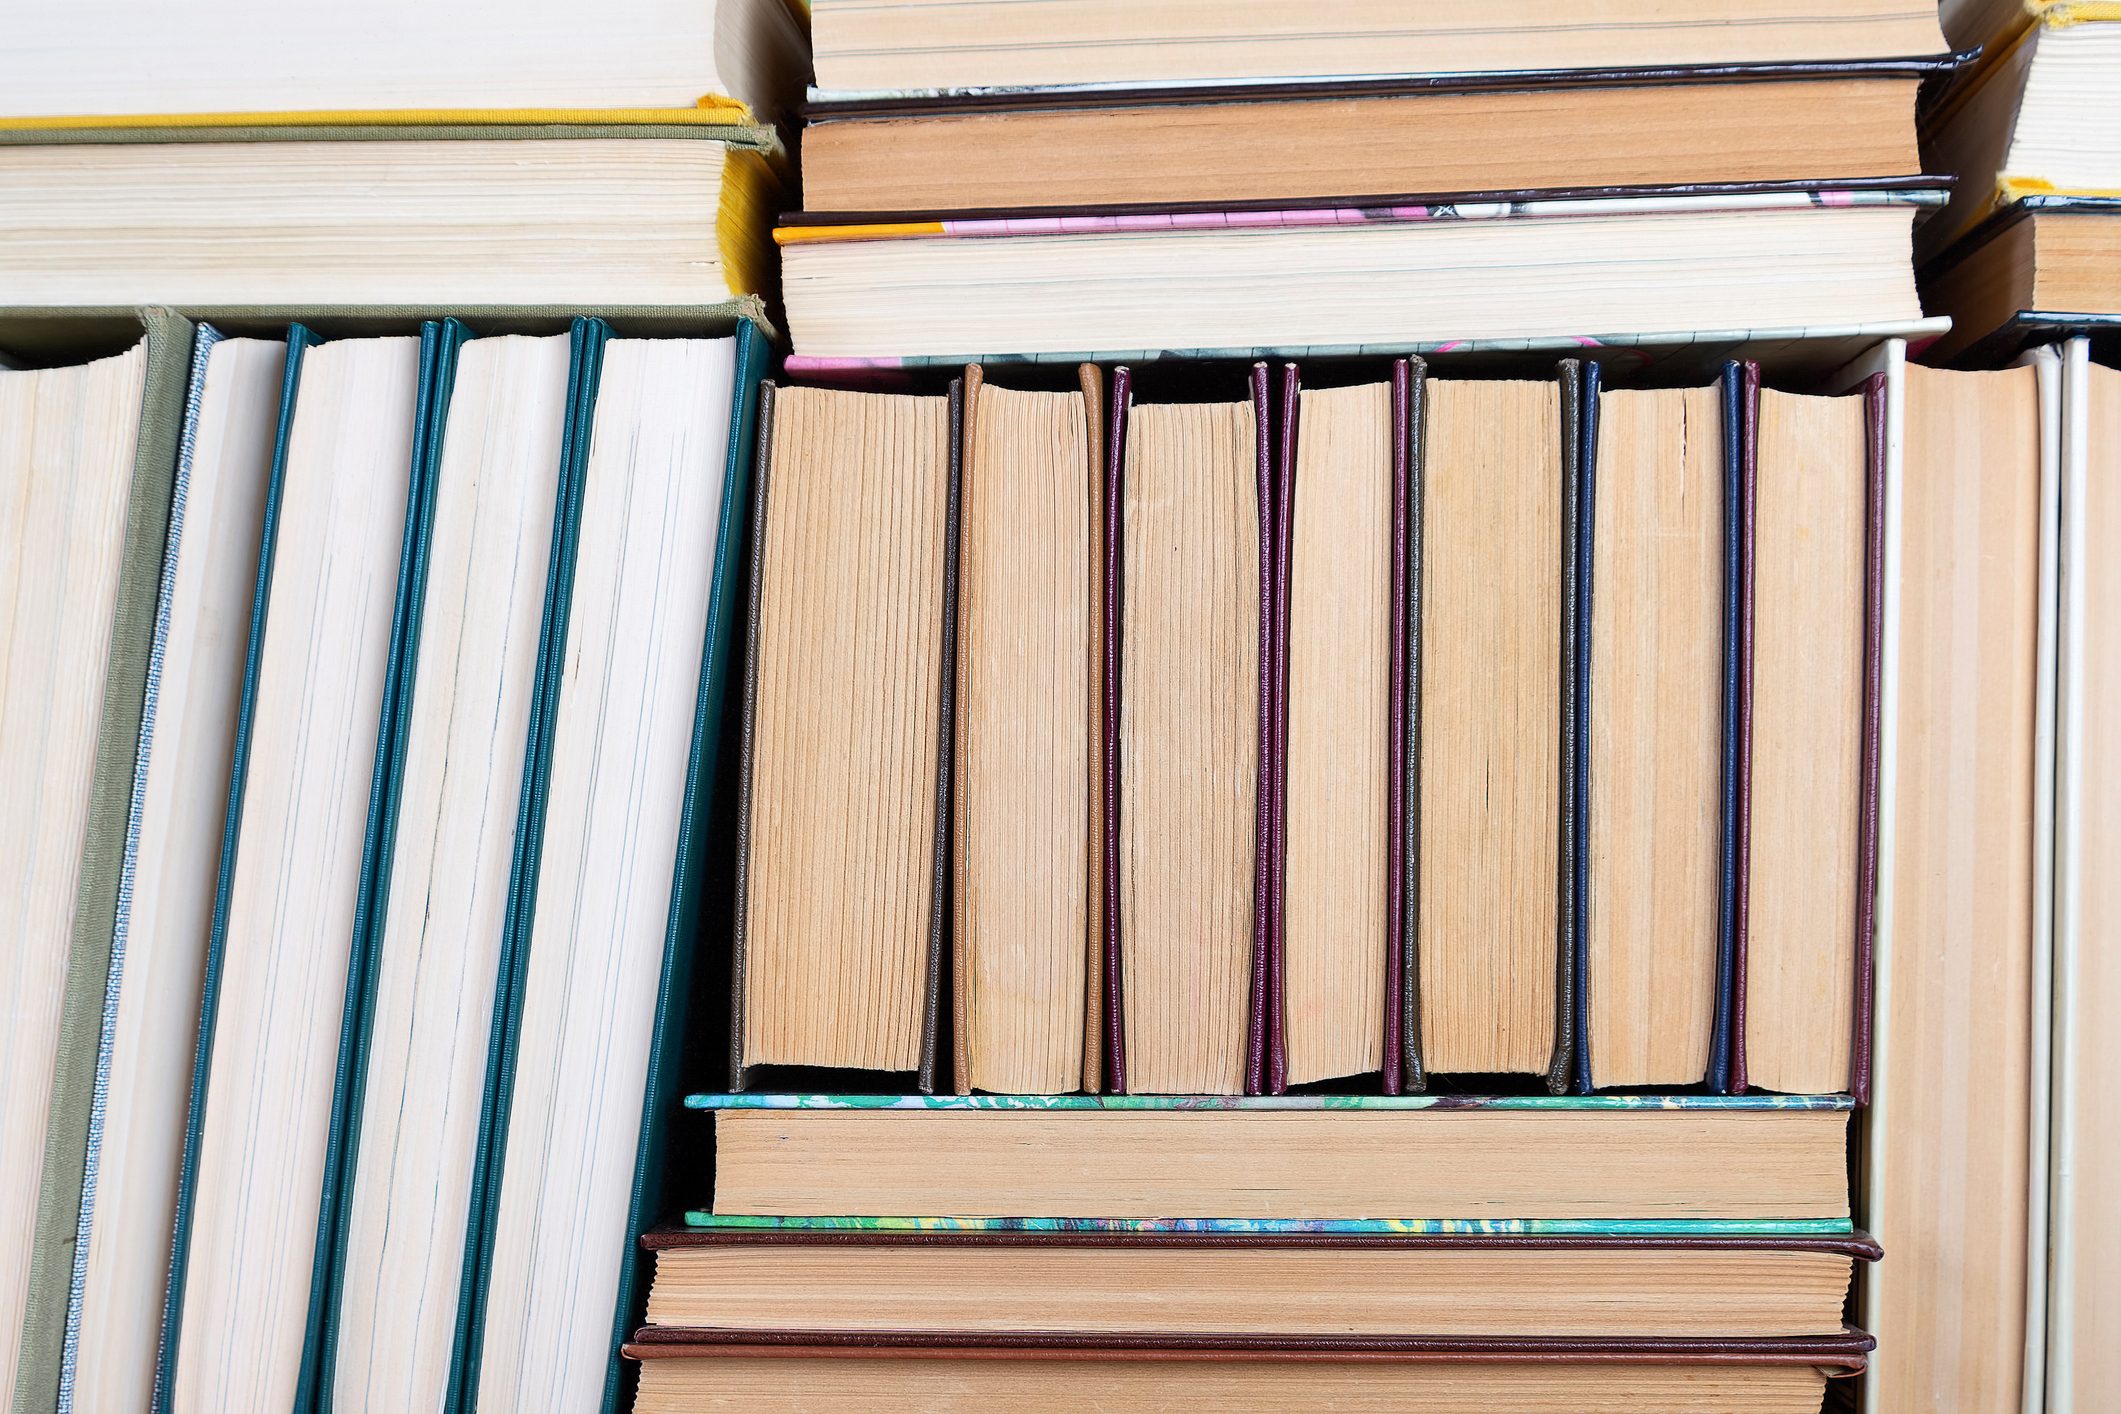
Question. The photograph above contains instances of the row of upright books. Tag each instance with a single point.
(357, 916)
(1395, 728)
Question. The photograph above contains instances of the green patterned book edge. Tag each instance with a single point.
(1568, 1103)
(167, 373)
(1280, 1227)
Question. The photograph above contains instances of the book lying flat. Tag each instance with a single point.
(425, 215)
(2041, 115)
(86, 454)
(1702, 1157)
(2042, 268)
(907, 46)
(1352, 279)
(115, 61)
(1365, 142)
(689, 1370)
(1313, 1285)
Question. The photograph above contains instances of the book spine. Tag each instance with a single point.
(939, 876)
(761, 476)
(1577, 858)
(1412, 443)
(1877, 417)
(1266, 1063)
(1115, 590)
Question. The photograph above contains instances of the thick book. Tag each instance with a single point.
(150, 1021)
(1349, 278)
(906, 47)
(1963, 988)
(611, 866)
(842, 865)
(1188, 741)
(1027, 902)
(2042, 268)
(88, 467)
(686, 1370)
(421, 215)
(1299, 144)
(1297, 1285)
(1593, 1159)
(124, 64)
(298, 857)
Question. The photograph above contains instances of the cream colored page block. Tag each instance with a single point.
(1490, 747)
(67, 437)
(1355, 1290)
(652, 493)
(1188, 744)
(1952, 1209)
(1656, 748)
(1810, 505)
(1025, 639)
(1340, 665)
(848, 722)
(942, 43)
(2089, 1308)
(318, 700)
(462, 778)
(618, 221)
(183, 811)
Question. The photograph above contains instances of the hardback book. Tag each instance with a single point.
(611, 864)
(1661, 550)
(1543, 272)
(1188, 741)
(1027, 927)
(1953, 1187)
(1299, 1286)
(119, 62)
(842, 851)
(454, 215)
(1847, 125)
(2083, 1367)
(988, 44)
(1810, 504)
(179, 803)
(408, 1094)
(2040, 115)
(1492, 670)
(86, 457)
(1985, 24)
(1339, 958)
(342, 513)
(2041, 268)
(688, 1370)
(1280, 1160)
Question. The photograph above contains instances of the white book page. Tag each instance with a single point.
(319, 696)
(650, 517)
(462, 777)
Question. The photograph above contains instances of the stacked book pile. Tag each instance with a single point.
(2029, 250)
(363, 677)
(1077, 179)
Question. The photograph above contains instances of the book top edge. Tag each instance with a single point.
(1840, 1229)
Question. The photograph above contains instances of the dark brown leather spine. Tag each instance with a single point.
(1093, 385)
(1115, 589)
(1570, 380)
(1413, 445)
(1874, 408)
(1742, 825)
(960, 961)
(1274, 707)
(761, 474)
(946, 741)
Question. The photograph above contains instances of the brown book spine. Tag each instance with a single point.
(1741, 825)
(1874, 407)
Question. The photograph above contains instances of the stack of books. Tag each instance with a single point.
(2029, 250)
(365, 677)
(1092, 181)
